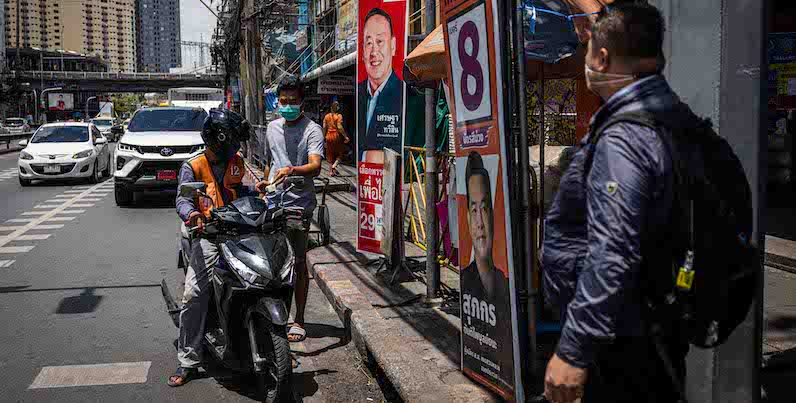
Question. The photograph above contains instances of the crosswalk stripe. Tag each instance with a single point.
(72, 211)
(10, 228)
(48, 206)
(49, 226)
(35, 212)
(16, 249)
(68, 192)
(91, 375)
(89, 200)
(33, 237)
(21, 220)
(61, 218)
(6, 263)
(83, 205)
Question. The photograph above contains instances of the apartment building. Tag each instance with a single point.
(158, 35)
(102, 28)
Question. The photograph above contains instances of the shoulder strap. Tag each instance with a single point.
(641, 118)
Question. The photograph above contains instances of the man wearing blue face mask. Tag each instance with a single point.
(221, 168)
(294, 145)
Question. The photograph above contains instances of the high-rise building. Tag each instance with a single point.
(103, 28)
(158, 35)
(2, 38)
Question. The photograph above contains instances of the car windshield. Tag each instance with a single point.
(168, 120)
(102, 122)
(14, 122)
(61, 134)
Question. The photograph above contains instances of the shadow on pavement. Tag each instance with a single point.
(777, 377)
(318, 331)
(26, 288)
(84, 303)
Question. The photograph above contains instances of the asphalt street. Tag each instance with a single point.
(83, 317)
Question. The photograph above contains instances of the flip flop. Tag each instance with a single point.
(296, 330)
(183, 375)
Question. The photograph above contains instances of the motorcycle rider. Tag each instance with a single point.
(222, 169)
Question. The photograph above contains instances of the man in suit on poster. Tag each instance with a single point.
(381, 93)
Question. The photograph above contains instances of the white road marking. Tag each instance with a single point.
(10, 228)
(68, 192)
(91, 375)
(33, 237)
(16, 249)
(35, 212)
(72, 211)
(47, 206)
(6, 263)
(60, 218)
(22, 220)
(37, 221)
(49, 226)
(90, 200)
(83, 205)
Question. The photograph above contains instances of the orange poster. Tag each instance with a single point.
(490, 352)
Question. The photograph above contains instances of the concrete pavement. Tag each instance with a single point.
(83, 318)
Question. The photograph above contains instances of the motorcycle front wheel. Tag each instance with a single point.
(270, 354)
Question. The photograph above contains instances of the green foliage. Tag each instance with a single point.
(125, 103)
(559, 116)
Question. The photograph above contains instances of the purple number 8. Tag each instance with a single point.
(470, 67)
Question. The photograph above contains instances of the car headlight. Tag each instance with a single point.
(25, 156)
(83, 154)
(128, 147)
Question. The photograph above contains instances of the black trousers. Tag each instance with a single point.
(630, 370)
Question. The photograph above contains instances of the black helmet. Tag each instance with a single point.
(225, 126)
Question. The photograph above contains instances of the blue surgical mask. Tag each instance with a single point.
(290, 112)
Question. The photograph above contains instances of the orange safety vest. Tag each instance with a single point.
(233, 181)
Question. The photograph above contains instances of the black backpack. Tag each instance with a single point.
(715, 266)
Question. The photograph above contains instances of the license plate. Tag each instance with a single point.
(167, 175)
(52, 169)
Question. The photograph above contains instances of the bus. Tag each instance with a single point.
(204, 98)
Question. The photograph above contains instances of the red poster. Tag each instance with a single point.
(380, 110)
(370, 207)
(490, 352)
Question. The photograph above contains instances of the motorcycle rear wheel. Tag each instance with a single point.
(271, 341)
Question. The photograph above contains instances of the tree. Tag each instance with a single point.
(126, 103)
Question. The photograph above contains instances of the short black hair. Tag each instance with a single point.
(475, 167)
(629, 30)
(291, 83)
(377, 11)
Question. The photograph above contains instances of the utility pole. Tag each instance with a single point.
(16, 62)
(432, 262)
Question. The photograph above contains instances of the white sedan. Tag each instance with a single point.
(65, 150)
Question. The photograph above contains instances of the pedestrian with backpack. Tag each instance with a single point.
(647, 244)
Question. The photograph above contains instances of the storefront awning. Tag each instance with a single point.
(328, 68)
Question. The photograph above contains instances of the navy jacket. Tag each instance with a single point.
(592, 251)
(381, 131)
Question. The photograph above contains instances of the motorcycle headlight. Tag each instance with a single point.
(128, 147)
(83, 154)
(244, 271)
(25, 156)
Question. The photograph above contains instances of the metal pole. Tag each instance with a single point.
(89, 99)
(542, 141)
(528, 267)
(16, 62)
(432, 263)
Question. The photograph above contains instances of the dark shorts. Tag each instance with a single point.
(299, 237)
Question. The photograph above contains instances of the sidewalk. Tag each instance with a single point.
(415, 345)
(346, 181)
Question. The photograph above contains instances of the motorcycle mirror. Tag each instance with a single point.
(192, 189)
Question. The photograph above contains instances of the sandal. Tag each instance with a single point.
(182, 376)
(298, 333)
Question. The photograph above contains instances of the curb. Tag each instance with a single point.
(780, 254)
(411, 372)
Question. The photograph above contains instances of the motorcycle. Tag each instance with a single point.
(252, 286)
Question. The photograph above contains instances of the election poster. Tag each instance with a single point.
(489, 351)
(380, 110)
(61, 101)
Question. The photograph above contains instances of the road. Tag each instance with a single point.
(81, 306)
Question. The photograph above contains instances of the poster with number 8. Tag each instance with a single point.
(469, 60)
(490, 352)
